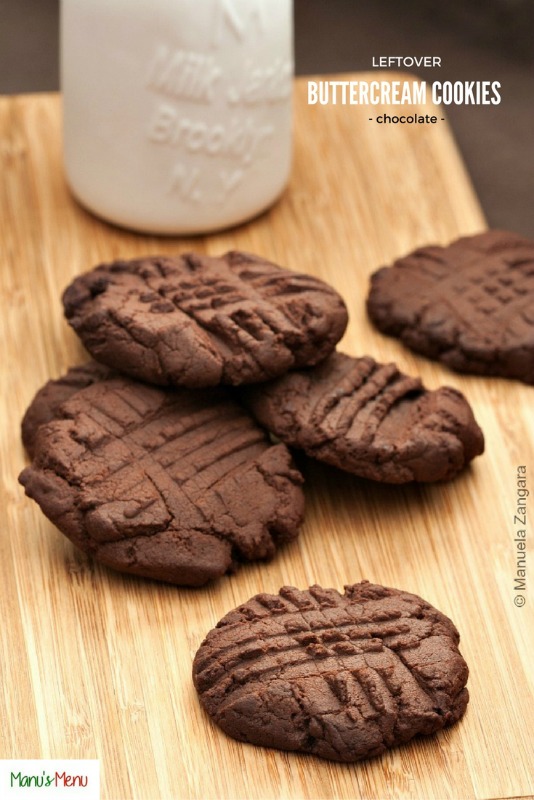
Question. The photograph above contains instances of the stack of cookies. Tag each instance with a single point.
(156, 458)
(168, 457)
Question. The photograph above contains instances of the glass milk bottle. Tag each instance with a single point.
(177, 113)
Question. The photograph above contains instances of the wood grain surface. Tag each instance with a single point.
(97, 665)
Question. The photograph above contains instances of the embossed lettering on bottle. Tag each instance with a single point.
(208, 129)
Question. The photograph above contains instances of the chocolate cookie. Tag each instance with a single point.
(47, 402)
(469, 305)
(199, 321)
(343, 677)
(169, 484)
(370, 419)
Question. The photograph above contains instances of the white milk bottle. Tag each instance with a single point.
(177, 113)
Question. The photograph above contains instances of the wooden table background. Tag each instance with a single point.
(97, 665)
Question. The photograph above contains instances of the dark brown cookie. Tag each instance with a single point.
(370, 419)
(469, 305)
(47, 402)
(174, 485)
(199, 321)
(343, 677)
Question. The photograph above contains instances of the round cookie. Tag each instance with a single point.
(50, 397)
(200, 321)
(468, 305)
(173, 485)
(370, 419)
(343, 677)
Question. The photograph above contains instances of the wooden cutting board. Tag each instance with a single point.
(97, 665)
